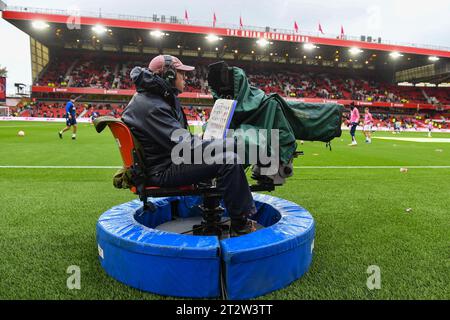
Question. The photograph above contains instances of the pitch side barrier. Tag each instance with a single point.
(375, 129)
(196, 123)
(63, 120)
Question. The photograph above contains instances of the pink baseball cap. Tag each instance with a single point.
(158, 62)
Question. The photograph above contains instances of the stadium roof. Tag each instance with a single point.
(69, 23)
(60, 29)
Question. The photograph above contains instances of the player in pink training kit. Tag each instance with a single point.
(430, 127)
(354, 120)
(368, 122)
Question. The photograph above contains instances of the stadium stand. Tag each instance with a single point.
(113, 73)
(383, 117)
(57, 110)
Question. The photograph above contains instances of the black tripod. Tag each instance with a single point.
(212, 212)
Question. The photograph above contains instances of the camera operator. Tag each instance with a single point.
(154, 113)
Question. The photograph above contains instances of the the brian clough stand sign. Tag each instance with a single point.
(267, 35)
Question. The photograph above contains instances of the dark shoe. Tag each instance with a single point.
(60, 135)
(241, 229)
(73, 138)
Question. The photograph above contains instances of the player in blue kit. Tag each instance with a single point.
(71, 118)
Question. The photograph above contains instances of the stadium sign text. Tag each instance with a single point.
(267, 35)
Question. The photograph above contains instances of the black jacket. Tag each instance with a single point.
(152, 115)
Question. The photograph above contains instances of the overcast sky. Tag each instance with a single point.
(413, 21)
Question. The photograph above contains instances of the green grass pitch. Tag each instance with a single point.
(48, 216)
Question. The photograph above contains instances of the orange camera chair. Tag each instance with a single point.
(132, 159)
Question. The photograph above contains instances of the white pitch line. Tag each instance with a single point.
(373, 167)
(303, 167)
(60, 167)
(22, 127)
(409, 139)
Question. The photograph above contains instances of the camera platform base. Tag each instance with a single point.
(145, 250)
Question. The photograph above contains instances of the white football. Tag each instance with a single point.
(21, 133)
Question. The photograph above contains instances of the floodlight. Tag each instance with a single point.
(99, 29)
(309, 46)
(156, 33)
(262, 42)
(212, 38)
(395, 54)
(40, 25)
(354, 51)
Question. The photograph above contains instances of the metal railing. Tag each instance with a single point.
(101, 14)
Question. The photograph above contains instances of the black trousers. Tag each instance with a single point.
(353, 128)
(231, 180)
